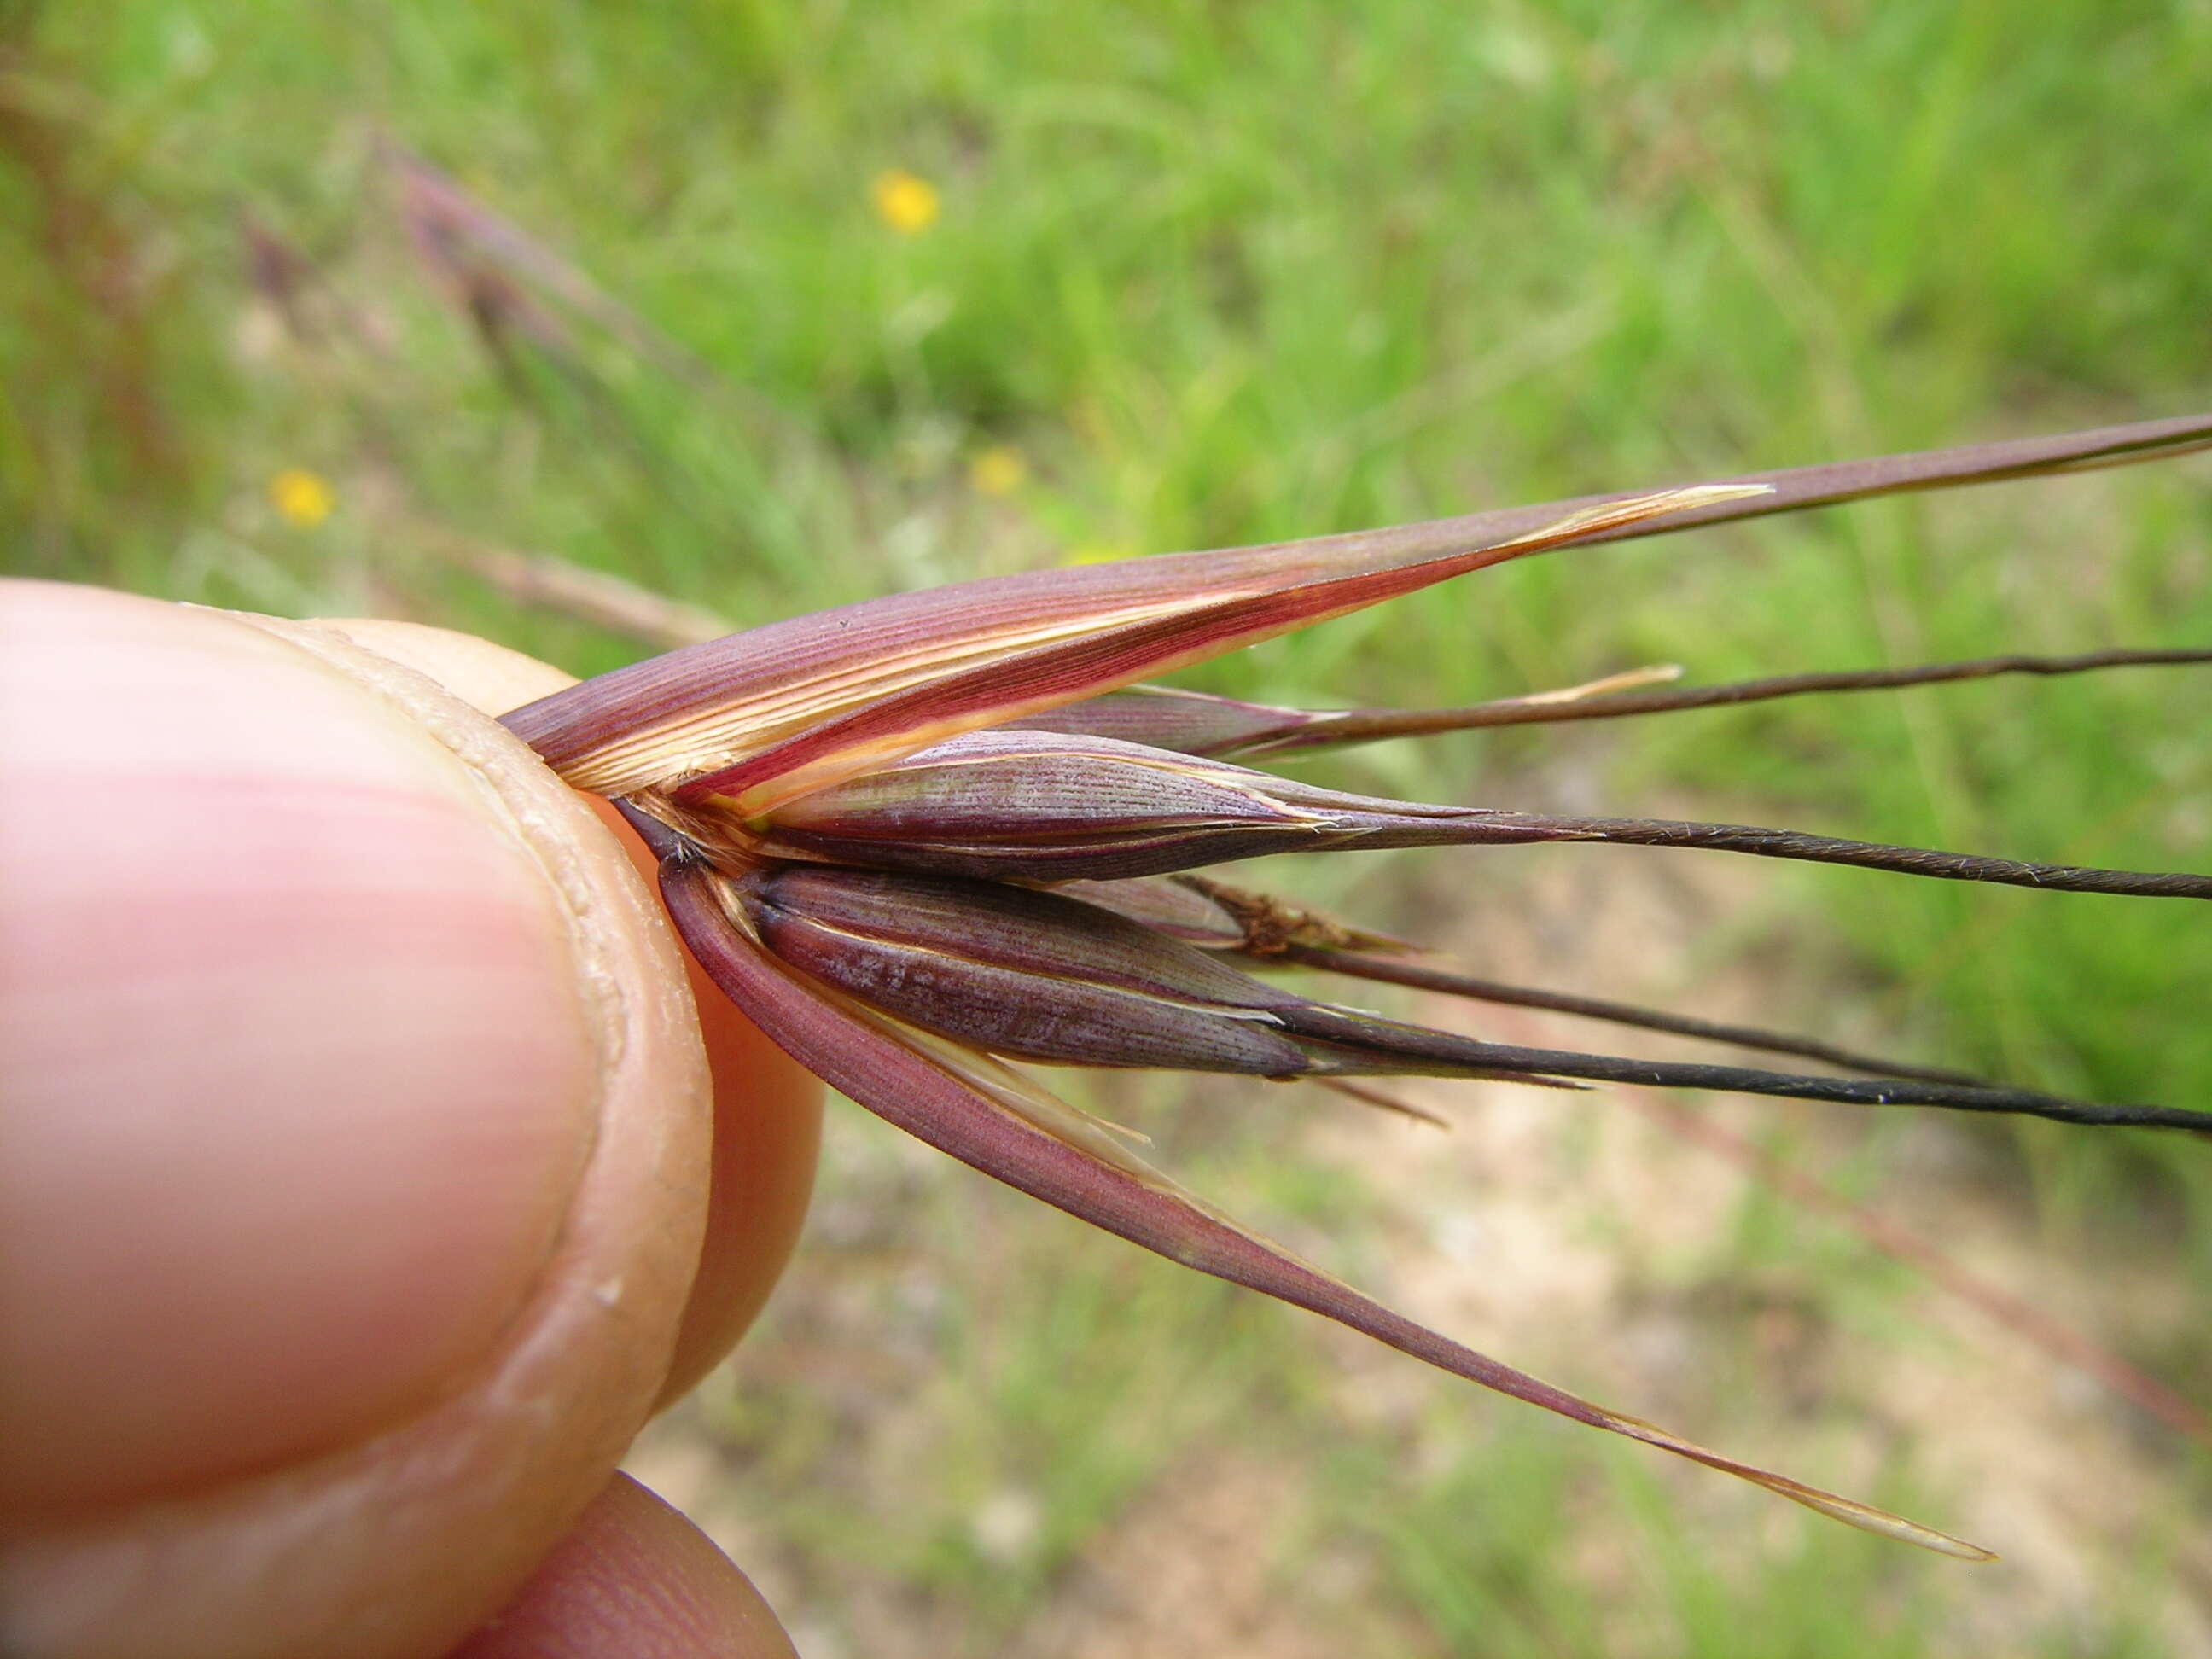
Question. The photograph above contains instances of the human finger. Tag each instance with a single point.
(353, 1149)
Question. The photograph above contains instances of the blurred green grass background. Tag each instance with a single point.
(1179, 275)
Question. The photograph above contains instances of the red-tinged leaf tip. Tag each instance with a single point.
(1003, 1129)
(1831, 484)
(767, 715)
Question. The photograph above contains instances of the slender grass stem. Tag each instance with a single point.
(1422, 976)
(1854, 1091)
(1370, 725)
(1866, 855)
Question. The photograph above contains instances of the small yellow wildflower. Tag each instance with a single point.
(303, 499)
(998, 471)
(904, 202)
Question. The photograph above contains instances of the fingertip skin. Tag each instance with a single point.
(633, 1580)
(391, 1538)
(301, 1072)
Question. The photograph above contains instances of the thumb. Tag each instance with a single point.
(353, 1144)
